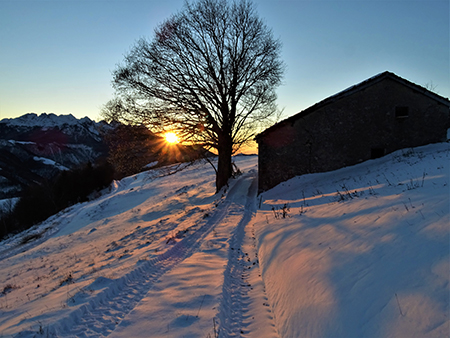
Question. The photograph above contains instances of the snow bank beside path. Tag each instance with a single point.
(362, 251)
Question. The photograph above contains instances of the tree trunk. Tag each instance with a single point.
(224, 166)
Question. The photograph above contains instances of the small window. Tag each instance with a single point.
(377, 153)
(401, 112)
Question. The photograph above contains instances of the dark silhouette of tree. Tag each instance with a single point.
(209, 73)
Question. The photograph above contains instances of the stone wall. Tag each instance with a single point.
(353, 127)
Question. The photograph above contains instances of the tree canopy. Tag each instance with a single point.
(209, 73)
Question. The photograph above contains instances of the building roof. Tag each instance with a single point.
(360, 86)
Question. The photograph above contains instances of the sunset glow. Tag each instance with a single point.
(171, 138)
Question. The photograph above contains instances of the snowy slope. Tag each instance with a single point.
(161, 255)
(363, 251)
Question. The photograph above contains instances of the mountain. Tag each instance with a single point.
(35, 147)
(358, 252)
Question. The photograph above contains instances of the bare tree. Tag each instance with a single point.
(210, 74)
(431, 87)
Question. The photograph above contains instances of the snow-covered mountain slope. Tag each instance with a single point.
(68, 124)
(361, 252)
(33, 147)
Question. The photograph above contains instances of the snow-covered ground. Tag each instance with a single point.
(6, 205)
(358, 252)
(50, 162)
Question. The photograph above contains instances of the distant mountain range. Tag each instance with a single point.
(35, 147)
(38, 147)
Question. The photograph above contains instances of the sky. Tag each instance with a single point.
(57, 56)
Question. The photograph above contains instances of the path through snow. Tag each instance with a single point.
(197, 274)
(185, 301)
(359, 252)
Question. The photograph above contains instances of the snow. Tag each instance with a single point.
(152, 164)
(20, 142)
(42, 120)
(7, 203)
(51, 121)
(48, 161)
(362, 252)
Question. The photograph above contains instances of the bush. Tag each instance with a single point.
(131, 148)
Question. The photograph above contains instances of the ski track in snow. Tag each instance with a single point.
(104, 312)
(235, 312)
(59, 222)
(337, 265)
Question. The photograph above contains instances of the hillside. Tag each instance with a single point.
(359, 252)
(35, 148)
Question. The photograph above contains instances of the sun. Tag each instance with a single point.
(171, 137)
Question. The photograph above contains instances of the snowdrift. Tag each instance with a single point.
(362, 251)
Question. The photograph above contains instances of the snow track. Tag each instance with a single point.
(242, 281)
(167, 257)
(116, 298)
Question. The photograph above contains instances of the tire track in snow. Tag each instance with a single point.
(235, 311)
(101, 315)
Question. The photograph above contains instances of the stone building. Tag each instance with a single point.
(373, 118)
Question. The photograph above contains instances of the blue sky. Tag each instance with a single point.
(57, 56)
